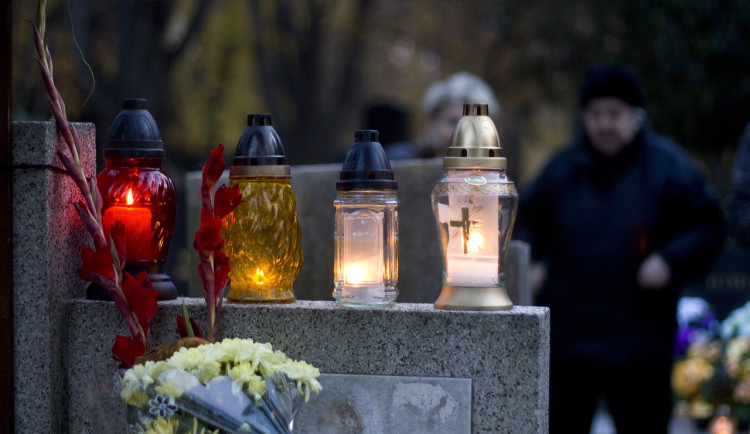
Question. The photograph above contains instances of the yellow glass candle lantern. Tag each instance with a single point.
(263, 233)
(365, 263)
(474, 206)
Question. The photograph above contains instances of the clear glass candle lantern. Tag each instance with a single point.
(263, 235)
(365, 263)
(136, 192)
(474, 206)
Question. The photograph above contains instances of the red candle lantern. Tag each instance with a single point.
(136, 192)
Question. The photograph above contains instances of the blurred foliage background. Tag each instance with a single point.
(315, 65)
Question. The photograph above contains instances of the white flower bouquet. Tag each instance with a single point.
(233, 386)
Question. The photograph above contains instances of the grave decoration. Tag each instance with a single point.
(474, 206)
(711, 374)
(235, 385)
(365, 265)
(138, 193)
(263, 233)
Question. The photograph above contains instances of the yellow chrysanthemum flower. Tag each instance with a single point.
(256, 387)
(244, 361)
(162, 426)
(138, 399)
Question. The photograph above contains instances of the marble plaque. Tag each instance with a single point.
(370, 404)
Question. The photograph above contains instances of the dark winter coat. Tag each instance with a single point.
(593, 220)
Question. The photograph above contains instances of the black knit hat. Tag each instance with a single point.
(615, 80)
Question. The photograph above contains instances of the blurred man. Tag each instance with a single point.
(617, 221)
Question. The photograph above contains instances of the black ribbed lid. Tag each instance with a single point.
(366, 166)
(134, 133)
(259, 144)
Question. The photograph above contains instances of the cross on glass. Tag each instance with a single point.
(464, 224)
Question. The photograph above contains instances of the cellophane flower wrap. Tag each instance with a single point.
(233, 386)
(713, 361)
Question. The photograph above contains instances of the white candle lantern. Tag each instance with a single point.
(366, 233)
(474, 206)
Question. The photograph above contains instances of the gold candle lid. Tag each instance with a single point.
(475, 143)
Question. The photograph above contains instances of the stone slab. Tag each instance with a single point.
(47, 236)
(374, 404)
(504, 353)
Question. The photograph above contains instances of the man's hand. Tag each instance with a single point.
(654, 272)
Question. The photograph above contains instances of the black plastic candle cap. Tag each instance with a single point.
(366, 167)
(260, 144)
(134, 133)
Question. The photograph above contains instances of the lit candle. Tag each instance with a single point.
(259, 277)
(363, 280)
(470, 251)
(474, 206)
(136, 192)
(263, 234)
(366, 226)
(137, 221)
(360, 272)
(363, 253)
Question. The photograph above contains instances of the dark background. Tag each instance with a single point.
(317, 64)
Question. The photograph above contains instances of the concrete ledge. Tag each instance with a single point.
(505, 353)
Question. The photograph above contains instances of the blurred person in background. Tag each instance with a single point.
(392, 122)
(442, 107)
(617, 220)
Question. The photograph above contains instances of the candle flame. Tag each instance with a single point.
(259, 277)
(475, 242)
(356, 273)
(129, 199)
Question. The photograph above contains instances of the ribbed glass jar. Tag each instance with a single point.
(263, 240)
(137, 192)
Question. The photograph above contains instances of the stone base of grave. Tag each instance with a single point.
(504, 354)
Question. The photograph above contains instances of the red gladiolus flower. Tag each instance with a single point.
(141, 297)
(226, 200)
(206, 273)
(215, 167)
(221, 271)
(212, 171)
(103, 264)
(208, 237)
(126, 349)
(97, 261)
(214, 265)
(117, 240)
